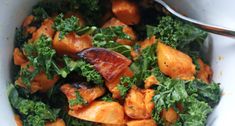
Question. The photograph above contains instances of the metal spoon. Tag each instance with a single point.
(184, 6)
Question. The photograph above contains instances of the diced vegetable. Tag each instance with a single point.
(18, 57)
(174, 63)
(147, 42)
(205, 72)
(149, 81)
(58, 122)
(148, 122)
(71, 43)
(170, 115)
(126, 11)
(18, 120)
(108, 63)
(101, 112)
(28, 20)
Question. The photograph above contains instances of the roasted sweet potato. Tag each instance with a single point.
(170, 115)
(28, 20)
(138, 103)
(126, 29)
(149, 81)
(71, 43)
(18, 120)
(113, 125)
(88, 94)
(58, 122)
(174, 63)
(18, 57)
(101, 112)
(112, 85)
(205, 72)
(149, 122)
(126, 11)
(147, 42)
(108, 63)
(45, 29)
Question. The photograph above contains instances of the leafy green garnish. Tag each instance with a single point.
(71, 24)
(104, 38)
(82, 67)
(125, 85)
(175, 33)
(39, 14)
(78, 100)
(168, 94)
(196, 112)
(34, 113)
(107, 97)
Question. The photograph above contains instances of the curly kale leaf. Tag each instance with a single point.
(209, 93)
(176, 33)
(34, 113)
(82, 67)
(105, 38)
(125, 85)
(196, 112)
(168, 94)
(78, 100)
(39, 14)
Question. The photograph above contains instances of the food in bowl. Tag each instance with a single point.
(118, 62)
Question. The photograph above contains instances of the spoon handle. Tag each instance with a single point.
(207, 27)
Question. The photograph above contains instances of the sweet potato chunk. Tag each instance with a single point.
(88, 94)
(45, 29)
(18, 57)
(174, 63)
(28, 20)
(18, 120)
(71, 43)
(76, 14)
(112, 85)
(58, 122)
(149, 81)
(109, 64)
(148, 122)
(113, 125)
(170, 115)
(138, 103)
(126, 29)
(126, 11)
(205, 72)
(147, 42)
(101, 112)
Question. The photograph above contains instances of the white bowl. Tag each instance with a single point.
(220, 50)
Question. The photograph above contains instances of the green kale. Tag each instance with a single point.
(125, 85)
(20, 37)
(34, 113)
(196, 112)
(82, 67)
(167, 95)
(142, 67)
(70, 25)
(71, 121)
(78, 101)
(175, 33)
(209, 93)
(39, 14)
(104, 38)
(40, 55)
(91, 9)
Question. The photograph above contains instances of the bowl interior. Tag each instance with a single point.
(220, 51)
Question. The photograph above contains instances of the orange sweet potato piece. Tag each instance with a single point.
(108, 63)
(170, 115)
(101, 112)
(45, 29)
(19, 57)
(149, 81)
(71, 43)
(18, 120)
(58, 122)
(175, 63)
(88, 94)
(28, 20)
(126, 11)
(113, 124)
(147, 42)
(148, 122)
(126, 29)
(112, 85)
(205, 72)
(138, 103)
